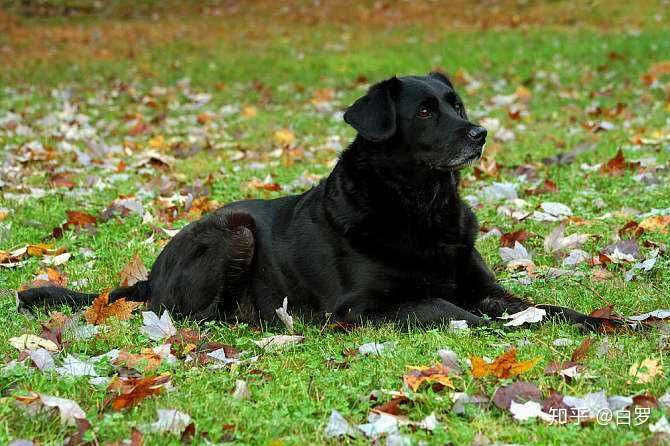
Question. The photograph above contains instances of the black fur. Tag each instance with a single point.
(384, 238)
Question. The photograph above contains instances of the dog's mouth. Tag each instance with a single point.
(460, 165)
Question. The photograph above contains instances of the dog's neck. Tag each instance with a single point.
(382, 191)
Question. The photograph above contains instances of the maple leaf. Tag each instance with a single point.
(69, 410)
(618, 164)
(393, 406)
(134, 272)
(79, 219)
(437, 374)
(130, 391)
(101, 310)
(504, 366)
(582, 351)
(147, 359)
(646, 370)
(657, 223)
(284, 137)
(508, 239)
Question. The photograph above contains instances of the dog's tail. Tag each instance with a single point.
(53, 296)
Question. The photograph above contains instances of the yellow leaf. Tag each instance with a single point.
(504, 366)
(32, 342)
(435, 374)
(524, 94)
(157, 142)
(284, 137)
(646, 370)
(658, 223)
(249, 111)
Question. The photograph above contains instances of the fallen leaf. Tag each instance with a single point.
(449, 359)
(392, 406)
(32, 342)
(646, 371)
(519, 392)
(618, 165)
(509, 239)
(134, 272)
(379, 424)
(338, 426)
(146, 360)
(100, 310)
(437, 374)
(661, 426)
(272, 342)
(504, 366)
(79, 219)
(528, 316)
(516, 257)
(375, 348)
(74, 367)
(658, 223)
(283, 315)
(69, 410)
(529, 410)
(555, 241)
(241, 391)
(171, 421)
(284, 137)
(156, 328)
(42, 359)
(130, 391)
(582, 351)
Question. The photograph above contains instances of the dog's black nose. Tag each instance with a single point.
(477, 134)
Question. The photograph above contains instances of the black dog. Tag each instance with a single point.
(384, 238)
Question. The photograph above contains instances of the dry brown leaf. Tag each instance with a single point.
(100, 310)
(504, 366)
(393, 406)
(284, 137)
(646, 371)
(436, 374)
(509, 238)
(130, 391)
(80, 219)
(658, 223)
(147, 359)
(134, 272)
(618, 165)
(582, 351)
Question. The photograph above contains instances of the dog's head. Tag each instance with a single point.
(424, 117)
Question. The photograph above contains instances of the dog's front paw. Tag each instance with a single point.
(603, 324)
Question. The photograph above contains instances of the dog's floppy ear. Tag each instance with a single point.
(373, 115)
(442, 78)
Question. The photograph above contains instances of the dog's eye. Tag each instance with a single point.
(424, 112)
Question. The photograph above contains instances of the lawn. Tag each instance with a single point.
(146, 123)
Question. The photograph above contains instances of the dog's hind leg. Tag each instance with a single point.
(203, 272)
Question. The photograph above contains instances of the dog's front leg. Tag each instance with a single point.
(427, 311)
(493, 300)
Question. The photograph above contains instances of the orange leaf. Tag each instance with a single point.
(100, 310)
(435, 374)
(504, 366)
(147, 359)
(134, 272)
(131, 391)
(657, 223)
(80, 219)
(618, 164)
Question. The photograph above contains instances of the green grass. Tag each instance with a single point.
(293, 404)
